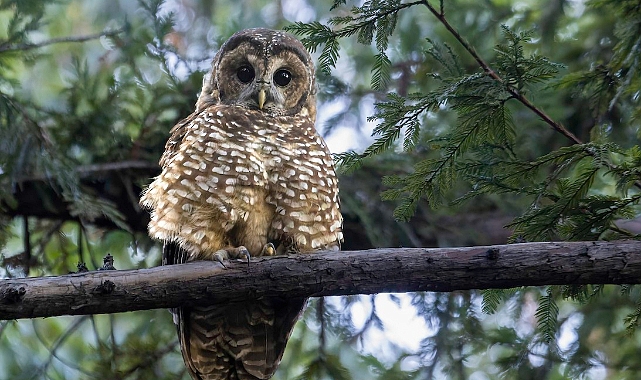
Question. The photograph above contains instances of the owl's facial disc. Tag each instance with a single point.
(267, 71)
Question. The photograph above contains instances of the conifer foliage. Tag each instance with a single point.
(480, 147)
(469, 114)
(581, 188)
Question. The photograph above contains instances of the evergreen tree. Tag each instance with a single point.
(484, 114)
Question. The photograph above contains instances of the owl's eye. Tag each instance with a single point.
(282, 77)
(245, 74)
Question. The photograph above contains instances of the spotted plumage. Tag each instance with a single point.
(246, 169)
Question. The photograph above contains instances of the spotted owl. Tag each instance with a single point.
(245, 175)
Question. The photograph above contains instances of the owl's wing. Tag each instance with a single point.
(176, 136)
(304, 192)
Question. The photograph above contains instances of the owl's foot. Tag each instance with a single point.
(232, 253)
(268, 250)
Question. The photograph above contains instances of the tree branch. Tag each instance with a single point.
(440, 15)
(29, 46)
(516, 94)
(324, 274)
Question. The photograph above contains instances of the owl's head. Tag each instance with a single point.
(262, 69)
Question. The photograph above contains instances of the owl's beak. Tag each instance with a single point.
(262, 95)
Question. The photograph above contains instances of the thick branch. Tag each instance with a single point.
(324, 274)
(115, 182)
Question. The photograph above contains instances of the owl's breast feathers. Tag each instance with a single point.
(226, 164)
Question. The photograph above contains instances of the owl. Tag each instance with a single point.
(245, 175)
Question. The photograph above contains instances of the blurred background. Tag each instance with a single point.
(88, 93)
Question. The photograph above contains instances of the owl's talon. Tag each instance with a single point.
(227, 254)
(220, 256)
(243, 253)
(268, 250)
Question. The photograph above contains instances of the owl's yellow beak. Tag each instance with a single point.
(262, 95)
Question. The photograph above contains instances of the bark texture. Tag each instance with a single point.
(324, 274)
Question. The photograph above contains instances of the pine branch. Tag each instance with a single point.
(93, 170)
(368, 20)
(72, 39)
(38, 196)
(323, 274)
(547, 314)
(440, 15)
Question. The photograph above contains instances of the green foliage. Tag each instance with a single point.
(98, 116)
(373, 21)
(26, 17)
(78, 100)
(547, 314)
(517, 70)
(480, 148)
(492, 299)
(469, 113)
(578, 187)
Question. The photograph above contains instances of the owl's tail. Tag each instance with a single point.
(243, 341)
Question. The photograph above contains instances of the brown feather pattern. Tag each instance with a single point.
(234, 174)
